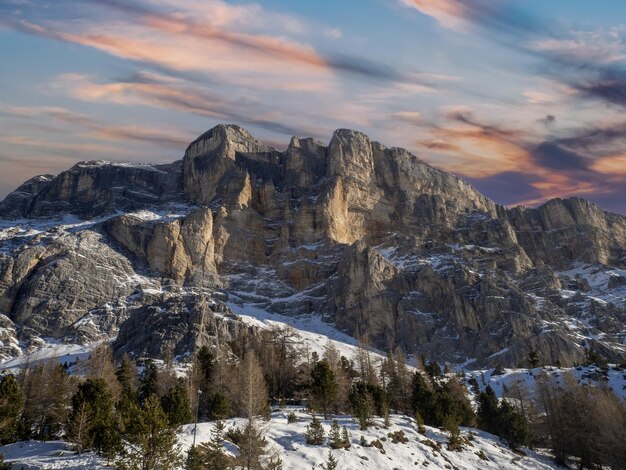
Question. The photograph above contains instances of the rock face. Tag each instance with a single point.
(370, 238)
(90, 189)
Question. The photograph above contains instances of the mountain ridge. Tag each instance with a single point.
(374, 240)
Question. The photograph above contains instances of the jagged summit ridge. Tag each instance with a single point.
(371, 238)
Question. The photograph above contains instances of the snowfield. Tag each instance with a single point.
(481, 450)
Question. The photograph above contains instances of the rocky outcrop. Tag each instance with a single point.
(565, 230)
(94, 188)
(53, 287)
(179, 322)
(371, 238)
(182, 249)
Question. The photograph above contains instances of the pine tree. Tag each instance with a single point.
(331, 462)
(274, 463)
(4, 465)
(533, 359)
(11, 402)
(211, 453)
(362, 403)
(127, 375)
(419, 422)
(175, 404)
(451, 426)
(512, 425)
(488, 410)
(220, 406)
(323, 386)
(421, 396)
(335, 439)
(194, 460)
(149, 382)
(149, 442)
(345, 438)
(91, 419)
(252, 447)
(206, 363)
(315, 433)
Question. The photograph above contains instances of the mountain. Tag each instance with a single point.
(371, 240)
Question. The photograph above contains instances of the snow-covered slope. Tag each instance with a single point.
(429, 450)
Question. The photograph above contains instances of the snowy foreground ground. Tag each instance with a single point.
(483, 451)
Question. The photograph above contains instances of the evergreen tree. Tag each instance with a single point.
(194, 460)
(362, 403)
(421, 395)
(335, 439)
(533, 359)
(345, 438)
(331, 462)
(206, 362)
(488, 410)
(323, 385)
(211, 453)
(149, 382)
(91, 422)
(175, 404)
(315, 433)
(127, 375)
(4, 465)
(502, 419)
(11, 402)
(252, 447)
(433, 370)
(419, 422)
(513, 425)
(150, 443)
(274, 463)
(220, 406)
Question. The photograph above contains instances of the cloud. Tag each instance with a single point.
(158, 91)
(472, 148)
(75, 149)
(586, 61)
(556, 157)
(548, 121)
(186, 36)
(509, 188)
(522, 167)
(614, 165)
(410, 117)
(490, 15)
(163, 137)
(333, 33)
(539, 97)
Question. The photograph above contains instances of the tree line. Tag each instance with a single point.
(129, 413)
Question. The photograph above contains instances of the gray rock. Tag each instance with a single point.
(371, 238)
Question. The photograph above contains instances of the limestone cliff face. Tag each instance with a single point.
(94, 188)
(182, 249)
(372, 239)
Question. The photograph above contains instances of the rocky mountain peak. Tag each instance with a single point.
(370, 238)
(350, 155)
(225, 140)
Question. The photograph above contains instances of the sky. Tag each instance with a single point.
(523, 98)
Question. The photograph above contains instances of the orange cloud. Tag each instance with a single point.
(614, 165)
(449, 13)
(477, 151)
